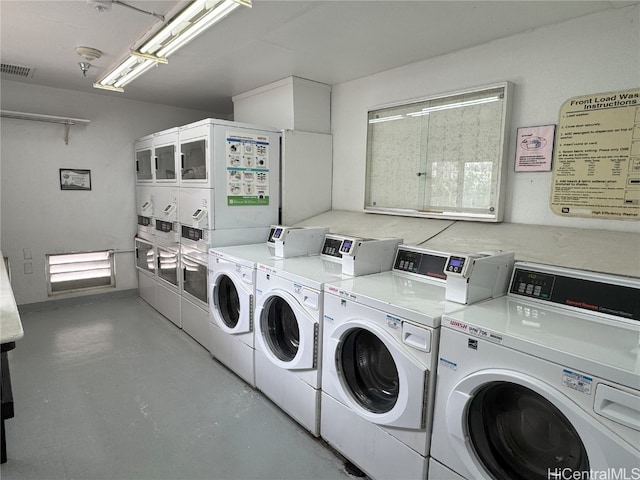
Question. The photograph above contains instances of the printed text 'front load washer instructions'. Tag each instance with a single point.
(247, 169)
(596, 169)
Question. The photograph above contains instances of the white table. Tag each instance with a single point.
(10, 331)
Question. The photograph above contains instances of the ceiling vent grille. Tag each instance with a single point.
(18, 70)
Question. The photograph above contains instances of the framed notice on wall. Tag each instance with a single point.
(596, 169)
(75, 179)
(534, 148)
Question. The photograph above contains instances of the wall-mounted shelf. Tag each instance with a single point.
(37, 117)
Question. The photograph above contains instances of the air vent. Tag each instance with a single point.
(18, 70)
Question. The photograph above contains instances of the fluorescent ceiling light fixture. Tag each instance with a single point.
(468, 103)
(180, 30)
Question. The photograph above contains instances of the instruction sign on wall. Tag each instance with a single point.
(247, 169)
(597, 157)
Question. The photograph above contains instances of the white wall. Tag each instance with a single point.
(592, 54)
(36, 214)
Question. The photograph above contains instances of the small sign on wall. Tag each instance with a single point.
(75, 179)
(534, 148)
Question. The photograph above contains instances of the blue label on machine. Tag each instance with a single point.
(577, 381)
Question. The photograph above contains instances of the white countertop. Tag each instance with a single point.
(10, 324)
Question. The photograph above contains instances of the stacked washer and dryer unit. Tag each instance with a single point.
(380, 352)
(222, 188)
(158, 241)
(543, 383)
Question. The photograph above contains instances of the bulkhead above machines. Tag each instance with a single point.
(478, 276)
(297, 241)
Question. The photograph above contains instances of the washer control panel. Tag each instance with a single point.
(532, 284)
(347, 246)
(572, 288)
(457, 265)
(331, 247)
(420, 262)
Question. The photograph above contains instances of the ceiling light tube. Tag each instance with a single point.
(179, 31)
(125, 65)
(134, 73)
(214, 16)
(166, 32)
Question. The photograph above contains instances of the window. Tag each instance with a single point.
(78, 271)
(440, 157)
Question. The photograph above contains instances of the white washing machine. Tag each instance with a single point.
(543, 383)
(288, 321)
(232, 281)
(380, 348)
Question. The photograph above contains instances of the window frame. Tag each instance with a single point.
(79, 284)
(496, 187)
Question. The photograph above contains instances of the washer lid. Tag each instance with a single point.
(376, 376)
(231, 302)
(605, 348)
(418, 300)
(285, 332)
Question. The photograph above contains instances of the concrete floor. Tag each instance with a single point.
(113, 390)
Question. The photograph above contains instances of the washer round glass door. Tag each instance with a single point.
(228, 301)
(280, 329)
(519, 435)
(369, 372)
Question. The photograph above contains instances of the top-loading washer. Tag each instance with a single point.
(289, 305)
(380, 348)
(232, 281)
(543, 383)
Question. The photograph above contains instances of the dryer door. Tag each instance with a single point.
(509, 426)
(285, 332)
(231, 300)
(377, 376)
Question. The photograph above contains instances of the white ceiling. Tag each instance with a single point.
(326, 41)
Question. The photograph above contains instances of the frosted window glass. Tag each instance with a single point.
(439, 157)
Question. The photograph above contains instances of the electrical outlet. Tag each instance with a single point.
(26, 252)
(28, 268)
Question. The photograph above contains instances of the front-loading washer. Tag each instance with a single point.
(380, 348)
(543, 383)
(232, 283)
(289, 307)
